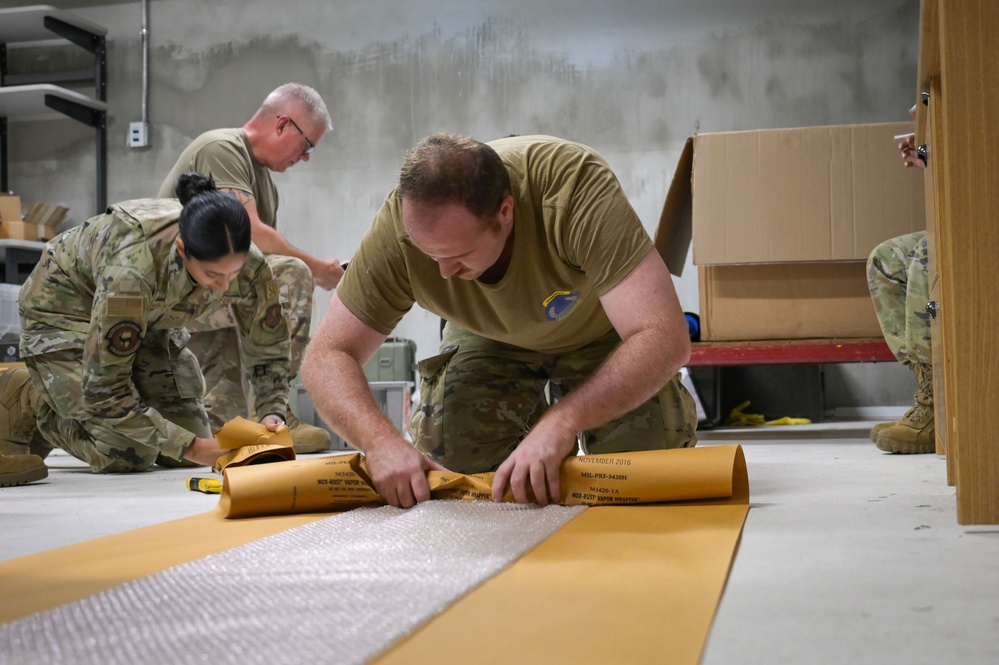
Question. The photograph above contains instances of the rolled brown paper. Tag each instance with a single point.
(342, 482)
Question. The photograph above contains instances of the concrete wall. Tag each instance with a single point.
(633, 78)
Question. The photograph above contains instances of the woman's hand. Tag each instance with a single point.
(204, 451)
(273, 422)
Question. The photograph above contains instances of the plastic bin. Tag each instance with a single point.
(394, 397)
(10, 323)
(395, 360)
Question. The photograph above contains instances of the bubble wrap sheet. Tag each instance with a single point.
(339, 590)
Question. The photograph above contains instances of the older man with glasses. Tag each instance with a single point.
(285, 130)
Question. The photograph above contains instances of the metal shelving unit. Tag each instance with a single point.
(36, 96)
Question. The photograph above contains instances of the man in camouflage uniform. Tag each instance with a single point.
(285, 130)
(898, 278)
(548, 281)
(102, 335)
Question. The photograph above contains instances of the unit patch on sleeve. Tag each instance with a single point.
(123, 338)
(272, 317)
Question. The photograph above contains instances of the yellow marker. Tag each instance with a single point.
(206, 485)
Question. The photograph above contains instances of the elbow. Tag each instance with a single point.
(678, 345)
(309, 370)
(682, 350)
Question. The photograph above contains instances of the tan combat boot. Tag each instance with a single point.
(307, 438)
(877, 430)
(18, 401)
(915, 432)
(21, 469)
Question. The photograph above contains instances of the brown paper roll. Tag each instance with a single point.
(342, 482)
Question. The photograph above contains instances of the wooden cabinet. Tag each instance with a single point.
(959, 68)
(35, 96)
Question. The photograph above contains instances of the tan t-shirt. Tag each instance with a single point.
(575, 238)
(225, 155)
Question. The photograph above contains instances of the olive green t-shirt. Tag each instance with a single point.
(225, 155)
(575, 238)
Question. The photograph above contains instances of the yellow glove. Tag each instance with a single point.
(737, 418)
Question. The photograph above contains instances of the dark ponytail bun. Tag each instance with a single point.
(191, 184)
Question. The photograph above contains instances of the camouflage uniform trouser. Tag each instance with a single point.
(166, 380)
(899, 281)
(479, 398)
(215, 341)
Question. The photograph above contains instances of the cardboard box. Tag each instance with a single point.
(47, 214)
(19, 231)
(10, 208)
(788, 195)
(786, 301)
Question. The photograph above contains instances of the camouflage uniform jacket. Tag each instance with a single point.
(117, 282)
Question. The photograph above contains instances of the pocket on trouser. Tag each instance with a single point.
(187, 374)
(668, 420)
(426, 425)
(679, 412)
(188, 409)
(170, 381)
(226, 385)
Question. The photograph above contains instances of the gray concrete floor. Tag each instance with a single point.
(848, 555)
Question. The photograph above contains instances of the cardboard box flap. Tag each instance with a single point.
(47, 214)
(806, 194)
(675, 228)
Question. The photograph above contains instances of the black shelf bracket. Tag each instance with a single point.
(89, 41)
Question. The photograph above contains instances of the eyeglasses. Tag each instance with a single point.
(311, 146)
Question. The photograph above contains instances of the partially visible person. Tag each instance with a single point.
(898, 277)
(529, 249)
(108, 377)
(285, 130)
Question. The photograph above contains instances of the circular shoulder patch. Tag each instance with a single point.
(123, 338)
(273, 316)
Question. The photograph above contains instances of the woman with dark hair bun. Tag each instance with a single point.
(103, 319)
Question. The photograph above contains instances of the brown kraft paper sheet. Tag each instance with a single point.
(653, 573)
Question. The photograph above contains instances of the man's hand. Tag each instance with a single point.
(400, 474)
(327, 274)
(536, 464)
(910, 156)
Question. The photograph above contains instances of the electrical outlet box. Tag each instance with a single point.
(138, 134)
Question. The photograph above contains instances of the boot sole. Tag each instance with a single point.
(904, 448)
(24, 477)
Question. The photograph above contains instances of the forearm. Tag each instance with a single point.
(348, 405)
(638, 368)
(270, 241)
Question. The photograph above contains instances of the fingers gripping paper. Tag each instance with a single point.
(342, 482)
(252, 443)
